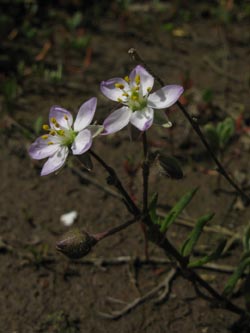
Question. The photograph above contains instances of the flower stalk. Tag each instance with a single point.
(114, 180)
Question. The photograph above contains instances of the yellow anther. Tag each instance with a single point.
(137, 88)
(149, 89)
(126, 79)
(45, 137)
(57, 125)
(66, 117)
(137, 79)
(119, 85)
(50, 143)
(45, 127)
(53, 120)
(52, 132)
(119, 100)
(125, 94)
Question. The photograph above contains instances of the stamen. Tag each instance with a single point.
(50, 143)
(52, 132)
(66, 117)
(127, 79)
(45, 127)
(44, 137)
(149, 89)
(125, 94)
(119, 85)
(137, 79)
(57, 125)
(119, 100)
(137, 88)
(53, 120)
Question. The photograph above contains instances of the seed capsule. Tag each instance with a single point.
(76, 244)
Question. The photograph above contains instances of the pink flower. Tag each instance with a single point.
(134, 92)
(55, 145)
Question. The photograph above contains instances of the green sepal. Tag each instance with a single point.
(176, 210)
(194, 236)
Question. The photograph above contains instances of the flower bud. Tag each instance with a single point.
(166, 165)
(76, 244)
(169, 167)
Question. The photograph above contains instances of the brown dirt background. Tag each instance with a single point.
(42, 291)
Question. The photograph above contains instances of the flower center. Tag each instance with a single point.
(133, 97)
(59, 134)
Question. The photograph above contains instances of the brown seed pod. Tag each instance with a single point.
(76, 244)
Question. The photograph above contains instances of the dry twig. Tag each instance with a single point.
(164, 286)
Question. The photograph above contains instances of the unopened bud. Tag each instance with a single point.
(76, 244)
(169, 166)
(166, 165)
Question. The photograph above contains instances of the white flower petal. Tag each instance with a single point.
(85, 114)
(165, 97)
(41, 149)
(142, 119)
(146, 79)
(69, 218)
(117, 120)
(82, 142)
(109, 90)
(56, 161)
(62, 116)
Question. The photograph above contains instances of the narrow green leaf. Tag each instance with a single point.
(212, 256)
(152, 208)
(38, 125)
(176, 210)
(225, 131)
(207, 95)
(194, 236)
(212, 136)
(230, 285)
(246, 239)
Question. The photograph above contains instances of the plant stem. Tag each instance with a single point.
(136, 57)
(114, 180)
(156, 237)
(221, 169)
(114, 230)
(188, 273)
(145, 175)
(145, 172)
